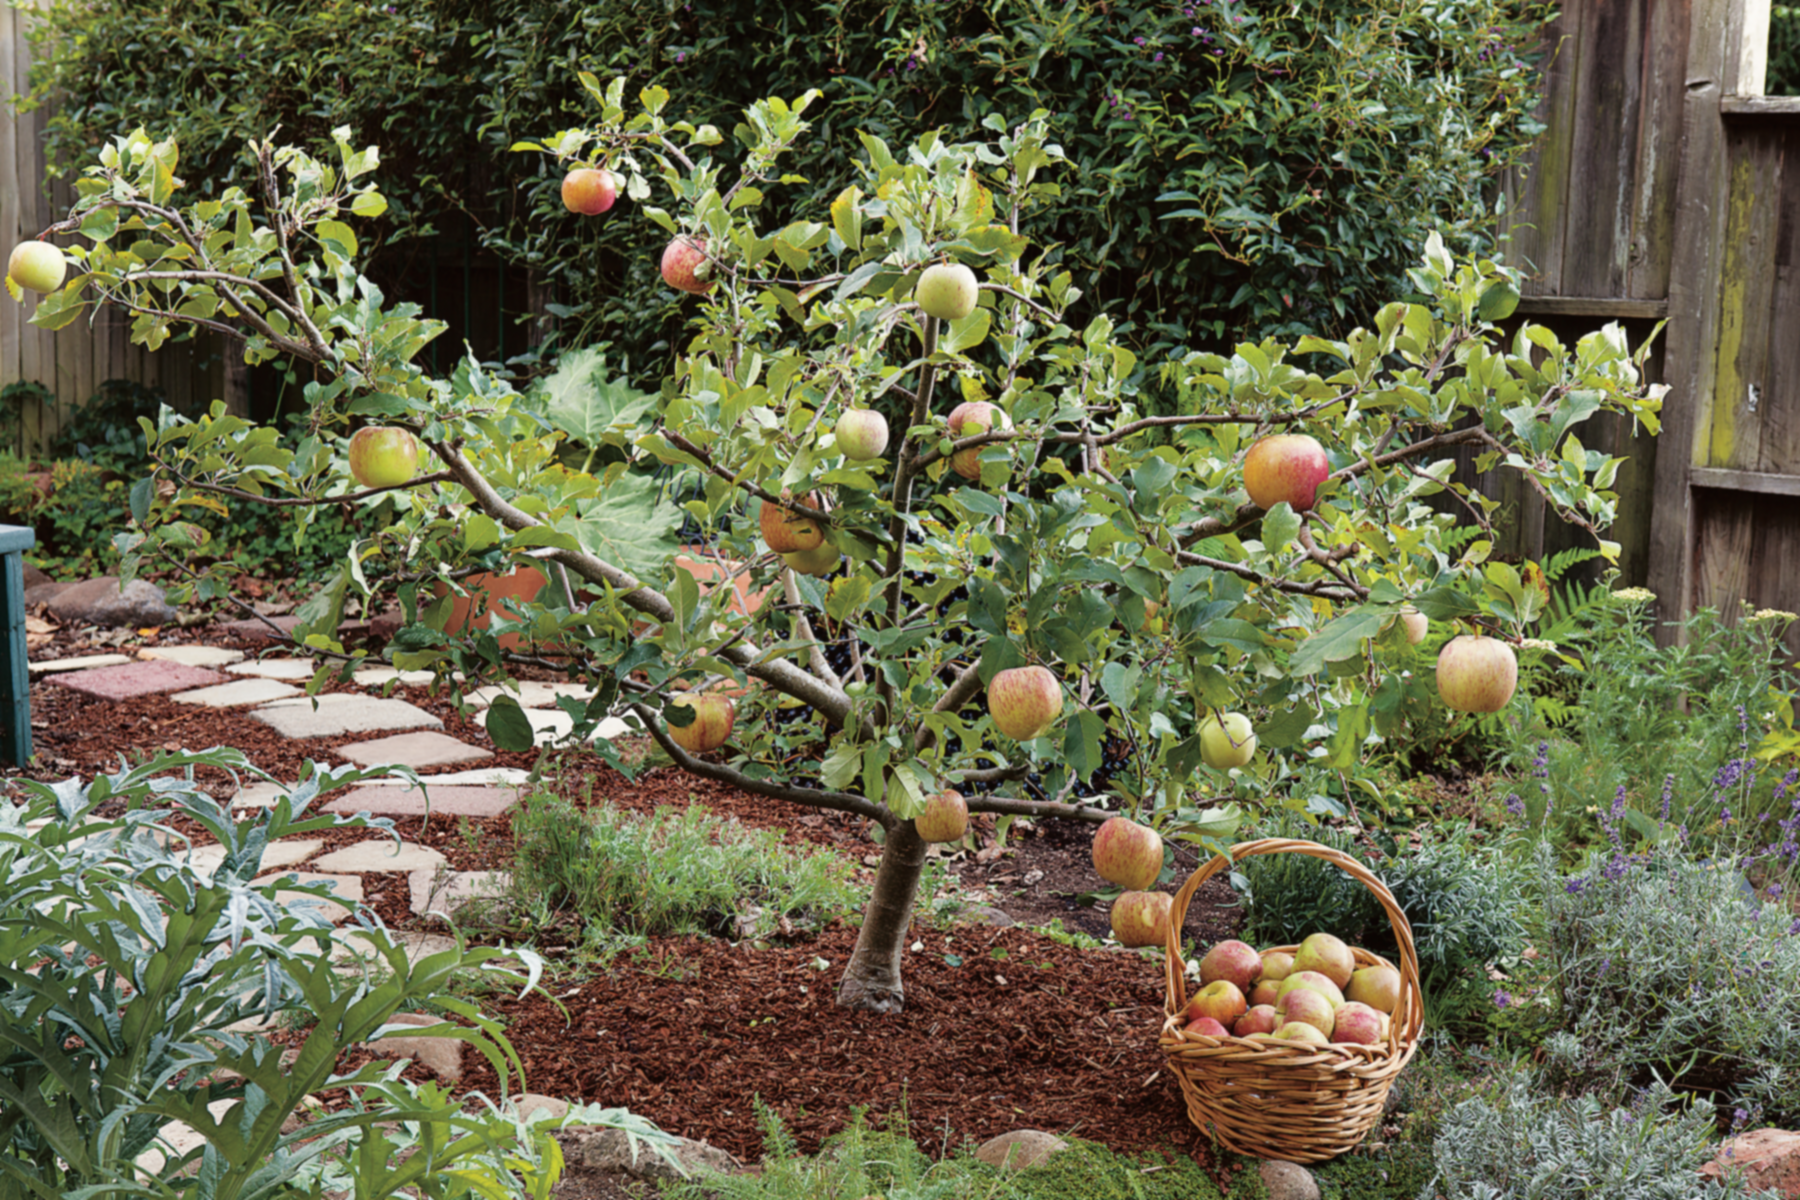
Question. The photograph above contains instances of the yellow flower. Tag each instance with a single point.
(1774, 614)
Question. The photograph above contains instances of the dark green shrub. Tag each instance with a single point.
(1245, 171)
(1784, 51)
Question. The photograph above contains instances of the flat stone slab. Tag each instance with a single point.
(137, 679)
(532, 693)
(207, 859)
(550, 725)
(85, 662)
(259, 795)
(237, 693)
(434, 891)
(251, 628)
(193, 656)
(381, 855)
(380, 676)
(276, 668)
(491, 776)
(416, 750)
(354, 944)
(341, 713)
(397, 800)
(349, 887)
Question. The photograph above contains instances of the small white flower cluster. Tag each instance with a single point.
(1774, 614)
(1634, 595)
(1536, 644)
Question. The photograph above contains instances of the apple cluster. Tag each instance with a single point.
(1315, 994)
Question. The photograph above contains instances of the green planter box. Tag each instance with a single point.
(15, 679)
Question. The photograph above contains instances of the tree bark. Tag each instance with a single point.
(871, 982)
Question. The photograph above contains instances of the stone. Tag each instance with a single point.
(981, 914)
(253, 629)
(475, 776)
(1288, 1181)
(33, 576)
(83, 662)
(237, 694)
(179, 1139)
(347, 886)
(390, 800)
(205, 860)
(134, 679)
(381, 855)
(379, 676)
(436, 891)
(44, 593)
(442, 1054)
(416, 750)
(340, 713)
(356, 946)
(607, 1149)
(532, 1107)
(259, 795)
(1020, 1148)
(193, 656)
(1769, 1158)
(550, 725)
(276, 668)
(532, 693)
(101, 602)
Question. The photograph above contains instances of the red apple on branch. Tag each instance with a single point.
(946, 291)
(1024, 702)
(945, 819)
(38, 266)
(685, 266)
(588, 191)
(383, 456)
(787, 531)
(1128, 854)
(1287, 466)
(1476, 673)
(713, 717)
(968, 419)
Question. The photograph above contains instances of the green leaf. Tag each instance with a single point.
(630, 525)
(1281, 525)
(1285, 727)
(583, 399)
(369, 204)
(508, 725)
(967, 333)
(100, 224)
(1341, 638)
(1082, 742)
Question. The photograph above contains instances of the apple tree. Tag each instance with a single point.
(1043, 500)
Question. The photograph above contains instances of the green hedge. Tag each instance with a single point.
(1784, 51)
(1242, 170)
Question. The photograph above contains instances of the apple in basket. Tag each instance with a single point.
(1377, 986)
(1312, 981)
(1308, 1007)
(1328, 956)
(1261, 1018)
(1300, 1031)
(1221, 1000)
(1209, 1027)
(1357, 1025)
(1266, 991)
(1233, 960)
(1277, 965)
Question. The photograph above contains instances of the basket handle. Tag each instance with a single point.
(1408, 1016)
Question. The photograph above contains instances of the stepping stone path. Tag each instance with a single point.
(338, 713)
(416, 750)
(133, 679)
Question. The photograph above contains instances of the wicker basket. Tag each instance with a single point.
(1286, 1100)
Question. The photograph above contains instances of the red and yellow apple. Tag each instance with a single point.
(1024, 702)
(946, 291)
(1328, 956)
(1287, 466)
(1207, 1027)
(685, 266)
(714, 714)
(787, 531)
(383, 456)
(1415, 624)
(822, 559)
(945, 819)
(1258, 1018)
(1377, 986)
(1142, 918)
(968, 419)
(1300, 1031)
(1476, 673)
(1356, 1024)
(1304, 1004)
(588, 191)
(1128, 854)
(1233, 960)
(1310, 981)
(1219, 1000)
(1277, 965)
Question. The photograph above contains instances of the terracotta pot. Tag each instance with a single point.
(508, 593)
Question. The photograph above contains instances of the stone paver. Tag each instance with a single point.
(553, 725)
(349, 887)
(381, 855)
(193, 656)
(131, 680)
(341, 713)
(416, 750)
(207, 859)
(237, 693)
(276, 668)
(354, 944)
(181, 1138)
(253, 628)
(532, 693)
(492, 776)
(400, 801)
(84, 662)
(379, 676)
(436, 891)
(443, 1055)
(259, 795)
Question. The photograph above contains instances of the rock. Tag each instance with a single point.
(1020, 1148)
(1769, 1158)
(44, 593)
(532, 1107)
(982, 914)
(100, 602)
(607, 1149)
(34, 577)
(1288, 1181)
(443, 1055)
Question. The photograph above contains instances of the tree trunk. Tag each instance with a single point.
(871, 982)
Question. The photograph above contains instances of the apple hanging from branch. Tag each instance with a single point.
(38, 266)
(1286, 467)
(589, 191)
(946, 291)
(1477, 673)
(383, 456)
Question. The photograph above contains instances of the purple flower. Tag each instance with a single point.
(1137, 41)
(1157, 57)
(1502, 999)
(1574, 886)
(1668, 795)
(1196, 31)
(1515, 805)
(1774, 891)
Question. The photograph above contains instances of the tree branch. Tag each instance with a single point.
(764, 494)
(1038, 808)
(308, 501)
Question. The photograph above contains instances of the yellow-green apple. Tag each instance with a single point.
(711, 726)
(1415, 624)
(968, 419)
(38, 266)
(1300, 1031)
(1142, 918)
(1219, 1000)
(685, 266)
(1356, 1024)
(946, 291)
(1287, 466)
(1024, 702)
(1207, 1027)
(1258, 1018)
(1304, 1004)
(862, 434)
(822, 559)
(787, 531)
(1476, 673)
(588, 191)
(383, 456)
(1310, 981)
(1233, 960)
(1226, 743)
(945, 819)
(1377, 986)
(1277, 965)
(1328, 956)
(1128, 854)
